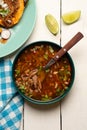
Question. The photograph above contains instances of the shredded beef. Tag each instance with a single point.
(13, 6)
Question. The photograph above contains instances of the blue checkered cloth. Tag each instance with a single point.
(11, 103)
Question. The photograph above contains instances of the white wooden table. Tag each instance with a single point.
(70, 113)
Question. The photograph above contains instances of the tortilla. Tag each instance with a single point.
(14, 10)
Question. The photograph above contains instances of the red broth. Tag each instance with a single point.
(57, 77)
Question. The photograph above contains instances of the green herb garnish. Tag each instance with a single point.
(51, 49)
(4, 12)
(46, 56)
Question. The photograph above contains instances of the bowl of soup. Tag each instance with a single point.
(26, 73)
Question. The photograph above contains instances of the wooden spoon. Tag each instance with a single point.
(64, 49)
(60, 53)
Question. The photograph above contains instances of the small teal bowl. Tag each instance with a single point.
(57, 99)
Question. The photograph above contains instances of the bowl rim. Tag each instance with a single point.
(57, 99)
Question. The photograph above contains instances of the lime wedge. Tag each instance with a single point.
(52, 24)
(71, 17)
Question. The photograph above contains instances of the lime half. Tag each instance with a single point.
(52, 24)
(71, 17)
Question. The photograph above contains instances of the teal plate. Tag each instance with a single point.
(20, 32)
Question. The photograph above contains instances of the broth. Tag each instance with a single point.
(57, 77)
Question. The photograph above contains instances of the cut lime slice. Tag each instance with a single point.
(71, 17)
(52, 24)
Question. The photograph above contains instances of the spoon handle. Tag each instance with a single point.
(68, 46)
(64, 49)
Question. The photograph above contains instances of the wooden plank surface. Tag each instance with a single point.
(43, 117)
(74, 106)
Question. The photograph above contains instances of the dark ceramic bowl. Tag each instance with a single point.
(51, 101)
